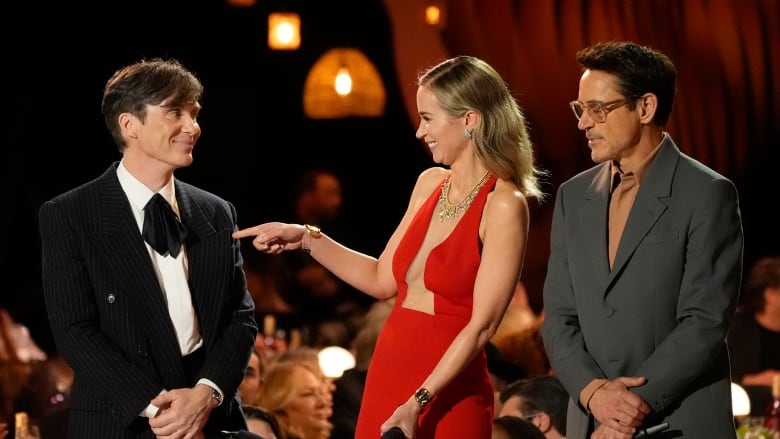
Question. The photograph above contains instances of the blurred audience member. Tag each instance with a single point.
(349, 387)
(294, 394)
(252, 384)
(262, 422)
(519, 316)
(330, 307)
(318, 197)
(45, 397)
(268, 281)
(525, 347)
(512, 427)
(502, 372)
(540, 399)
(16, 343)
(754, 337)
(24, 369)
(308, 357)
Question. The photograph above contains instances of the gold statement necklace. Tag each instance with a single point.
(447, 210)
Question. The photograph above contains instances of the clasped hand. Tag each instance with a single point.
(274, 237)
(618, 409)
(182, 414)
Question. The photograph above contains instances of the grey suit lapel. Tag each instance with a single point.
(648, 206)
(595, 212)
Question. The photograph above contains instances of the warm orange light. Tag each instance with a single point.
(432, 15)
(242, 3)
(343, 82)
(284, 31)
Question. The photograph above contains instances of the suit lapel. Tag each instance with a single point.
(205, 252)
(595, 212)
(124, 252)
(649, 205)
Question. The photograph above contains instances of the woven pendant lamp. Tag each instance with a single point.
(343, 83)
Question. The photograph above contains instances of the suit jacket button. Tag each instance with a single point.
(609, 311)
(111, 298)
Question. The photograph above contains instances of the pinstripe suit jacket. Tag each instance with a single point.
(108, 313)
(664, 309)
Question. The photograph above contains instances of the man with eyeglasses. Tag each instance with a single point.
(542, 400)
(645, 263)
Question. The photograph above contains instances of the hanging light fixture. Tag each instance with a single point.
(434, 14)
(284, 31)
(343, 83)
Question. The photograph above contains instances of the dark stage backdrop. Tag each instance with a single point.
(256, 140)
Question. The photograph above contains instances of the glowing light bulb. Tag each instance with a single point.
(343, 82)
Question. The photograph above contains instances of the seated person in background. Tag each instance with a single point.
(309, 357)
(502, 372)
(262, 422)
(321, 298)
(294, 393)
(512, 427)
(252, 384)
(754, 337)
(542, 400)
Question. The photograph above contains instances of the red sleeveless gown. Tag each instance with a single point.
(412, 342)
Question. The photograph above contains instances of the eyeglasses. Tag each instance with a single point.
(598, 110)
(531, 415)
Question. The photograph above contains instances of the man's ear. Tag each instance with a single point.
(543, 422)
(646, 106)
(129, 125)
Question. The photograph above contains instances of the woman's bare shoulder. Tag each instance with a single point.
(506, 200)
(429, 179)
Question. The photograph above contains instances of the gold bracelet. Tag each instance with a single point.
(313, 232)
(423, 397)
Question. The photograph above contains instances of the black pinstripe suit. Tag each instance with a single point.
(108, 313)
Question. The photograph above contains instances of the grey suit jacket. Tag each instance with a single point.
(664, 309)
(109, 317)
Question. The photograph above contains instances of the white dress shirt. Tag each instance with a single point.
(172, 273)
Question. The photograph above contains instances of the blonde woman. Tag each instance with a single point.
(452, 263)
(295, 395)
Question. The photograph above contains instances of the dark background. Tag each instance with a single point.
(256, 141)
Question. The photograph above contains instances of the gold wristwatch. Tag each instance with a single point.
(216, 396)
(313, 231)
(423, 397)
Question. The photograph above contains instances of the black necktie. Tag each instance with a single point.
(162, 228)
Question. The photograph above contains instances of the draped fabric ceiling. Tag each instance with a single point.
(727, 109)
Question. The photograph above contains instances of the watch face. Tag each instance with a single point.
(423, 397)
(314, 231)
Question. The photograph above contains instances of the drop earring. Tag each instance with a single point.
(467, 133)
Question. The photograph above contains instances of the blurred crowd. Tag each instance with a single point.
(290, 391)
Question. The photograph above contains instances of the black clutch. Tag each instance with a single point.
(394, 433)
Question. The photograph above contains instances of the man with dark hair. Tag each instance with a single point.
(754, 337)
(540, 399)
(645, 263)
(143, 282)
